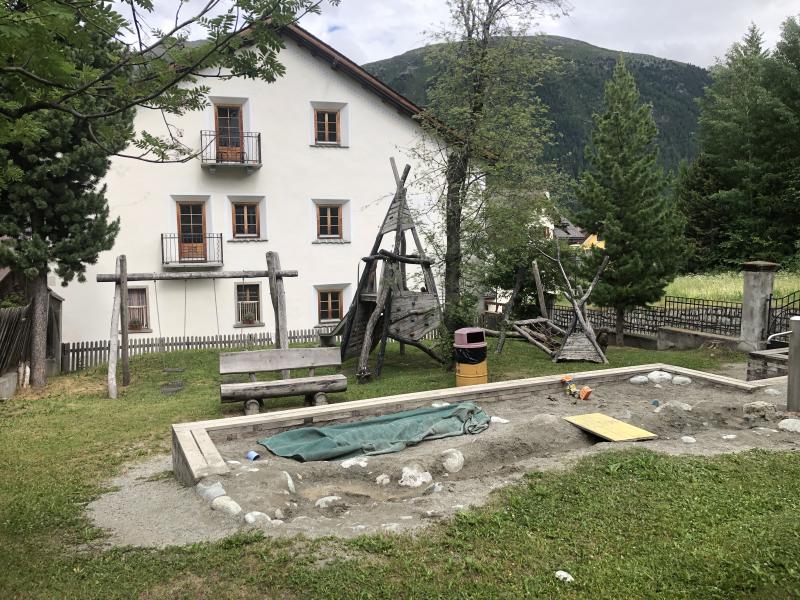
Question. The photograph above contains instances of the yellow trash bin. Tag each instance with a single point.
(470, 354)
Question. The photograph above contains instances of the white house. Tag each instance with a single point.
(299, 167)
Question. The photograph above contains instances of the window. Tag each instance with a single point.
(245, 219)
(326, 126)
(191, 231)
(138, 314)
(329, 220)
(248, 304)
(330, 305)
(229, 133)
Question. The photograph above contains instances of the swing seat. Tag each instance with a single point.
(314, 388)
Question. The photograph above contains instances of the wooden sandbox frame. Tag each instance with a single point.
(195, 455)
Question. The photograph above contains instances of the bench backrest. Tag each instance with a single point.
(257, 361)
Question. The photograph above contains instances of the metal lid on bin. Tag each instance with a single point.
(469, 337)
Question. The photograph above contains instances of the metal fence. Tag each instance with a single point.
(189, 248)
(781, 309)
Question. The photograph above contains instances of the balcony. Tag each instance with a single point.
(191, 250)
(230, 150)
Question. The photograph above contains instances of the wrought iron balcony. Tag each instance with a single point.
(186, 249)
(230, 149)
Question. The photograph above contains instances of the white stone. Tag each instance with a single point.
(210, 491)
(414, 477)
(772, 392)
(687, 439)
(658, 385)
(252, 470)
(434, 488)
(275, 523)
(453, 460)
(278, 513)
(792, 425)
(500, 420)
(406, 518)
(674, 404)
(564, 576)
(289, 483)
(681, 380)
(439, 404)
(639, 380)
(392, 527)
(358, 527)
(227, 505)
(382, 479)
(233, 463)
(659, 377)
(256, 517)
(326, 501)
(360, 461)
(729, 436)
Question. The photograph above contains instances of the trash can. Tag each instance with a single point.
(470, 354)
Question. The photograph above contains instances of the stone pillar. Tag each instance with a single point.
(793, 392)
(759, 277)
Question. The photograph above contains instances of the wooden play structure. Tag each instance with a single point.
(576, 343)
(120, 313)
(392, 310)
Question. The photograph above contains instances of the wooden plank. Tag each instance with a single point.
(123, 292)
(159, 276)
(609, 428)
(298, 386)
(209, 450)
(257, 361)
(113, 341)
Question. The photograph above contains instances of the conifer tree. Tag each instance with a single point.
(622, 200)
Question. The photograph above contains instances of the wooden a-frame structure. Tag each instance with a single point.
(391, 310)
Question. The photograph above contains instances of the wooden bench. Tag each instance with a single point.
(314, 387)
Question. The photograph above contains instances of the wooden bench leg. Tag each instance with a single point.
(252, 407)
(308, 400)
(320, 399)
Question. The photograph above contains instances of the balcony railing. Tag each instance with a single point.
(191, 249)
(248, 312)
(218, 150)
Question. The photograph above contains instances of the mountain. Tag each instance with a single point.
(576, 93)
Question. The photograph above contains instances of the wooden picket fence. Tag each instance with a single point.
(81, 355)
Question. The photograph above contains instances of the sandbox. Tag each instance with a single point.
(410, 489)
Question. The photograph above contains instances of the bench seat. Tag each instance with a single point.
(299, 386)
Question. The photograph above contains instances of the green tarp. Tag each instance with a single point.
(379, 435)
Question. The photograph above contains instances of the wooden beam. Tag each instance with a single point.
(278, 297)
(124, 318)
(537, 278)
(113, 343)
(113, 278)
(299, 386)
(258, 361)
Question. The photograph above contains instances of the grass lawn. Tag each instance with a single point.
(625, 524)
(726, 286)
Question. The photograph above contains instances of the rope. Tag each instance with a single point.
(158, 319)
(184, 310)
(216, 309)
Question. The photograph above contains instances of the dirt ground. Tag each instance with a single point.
(366, 495)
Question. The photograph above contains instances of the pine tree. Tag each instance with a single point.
(623, 200)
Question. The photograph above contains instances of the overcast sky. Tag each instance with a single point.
(694, 31)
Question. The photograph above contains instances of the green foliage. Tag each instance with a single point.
(575, 90)
(741, 196)
(622, 198)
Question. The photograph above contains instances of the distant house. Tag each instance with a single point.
(299, 166)
(576, 236)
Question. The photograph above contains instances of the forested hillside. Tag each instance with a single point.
(576, 92)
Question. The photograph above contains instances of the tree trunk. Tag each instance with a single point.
(620, 328)
(456, 175)
(41, 301)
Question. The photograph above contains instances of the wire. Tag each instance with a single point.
(216, 308)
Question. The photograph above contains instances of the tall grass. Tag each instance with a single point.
(726, 286)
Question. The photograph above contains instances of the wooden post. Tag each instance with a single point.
(539, 290)
(113, 344)
(124, 318)
(793, 394)
(278, 298)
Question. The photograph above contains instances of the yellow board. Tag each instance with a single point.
(609, 428)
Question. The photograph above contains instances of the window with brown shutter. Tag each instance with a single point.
(327, 125)
(329, 221)
(138, 313)
(245, 219)
(330, 305)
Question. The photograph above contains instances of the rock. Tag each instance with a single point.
(687, 439)
(382, 479)
(256, 517)
(360, 461)
(681, 380)
(432, 514)
(275, 523)
(279, 514)
(760, 409)
(210, 491)
(233, 463)
(289, 483)
(659, 377)
(772, 392)
(564, 576)
(500, 420)
(358, 527)
(406, 518)
(392, 527)
(433, 488)
(414, 476)
(453, 460)
(655, 403)
(658, 385)
(227, 505)
(792, 425)
(439, 404)
(639, 380)
(674, 405)
(729, 436)
(326, 501)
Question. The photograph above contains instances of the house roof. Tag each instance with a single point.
(340, 62)
(570, 232)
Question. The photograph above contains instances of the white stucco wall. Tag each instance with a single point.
(293, 176)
